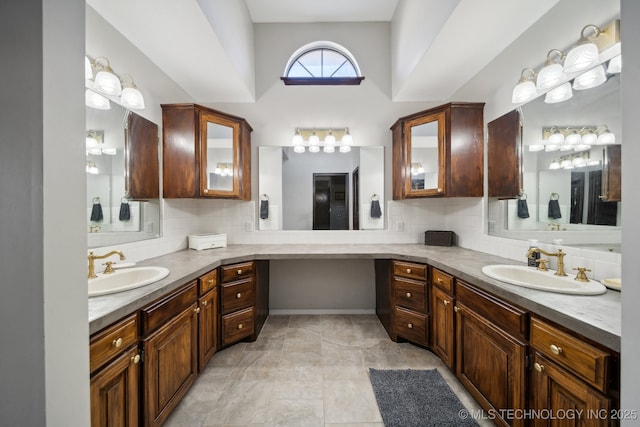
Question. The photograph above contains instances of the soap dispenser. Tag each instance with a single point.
(532, 259)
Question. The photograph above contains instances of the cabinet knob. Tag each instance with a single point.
(408, 294)
(135, 359)
(408, 271)
(555, 349)
(205, 303)
(538, 367)
(240, 326)
(117, 342)
(439, 279)
(439, 190)
(410, 326)
(196, 310)
(210, 281)
(205, 190)
(446, 302)
(239, 272)
(238, 295)
(456, 309)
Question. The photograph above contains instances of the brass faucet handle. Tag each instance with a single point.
(109, 267)
(542, 264)
(582, 275)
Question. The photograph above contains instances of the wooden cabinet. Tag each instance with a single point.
(170, 331)
(142, 178)
(115, 375)
(504, 156)
(207, 317)
(244, 297)
(206, 153)
(490, 357)
(612, 174)
(442, 316)
(439, 152)
(410, 317)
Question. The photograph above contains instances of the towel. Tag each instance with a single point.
(125, 211)
(554, 209)
(523, 209)
(96, 211)
(264, 209)
(376, 212)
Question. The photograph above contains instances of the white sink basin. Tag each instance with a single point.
(529, 277)
(125, 279)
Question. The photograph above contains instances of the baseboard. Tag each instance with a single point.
(319, 311)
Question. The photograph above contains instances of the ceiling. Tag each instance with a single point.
(438, 46)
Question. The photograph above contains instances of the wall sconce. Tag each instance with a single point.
(107, 85)
(571, 161)
(582, 63)
(328, 139)
(95, 144)
(579, 138)
(92, 168)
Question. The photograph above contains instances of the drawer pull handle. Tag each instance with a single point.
(555, 349)
(196, 310)
(204, 303)
(117, 343)
(456, 309)
(446, 302)
(410, 326)
(238, 295)
(439, 280)
(408, 271)
(240, 326)
(538, 367)
(135, 359)
(408, 294)
(239, 272)
(210, 281)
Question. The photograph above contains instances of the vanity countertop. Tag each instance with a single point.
(595, 317)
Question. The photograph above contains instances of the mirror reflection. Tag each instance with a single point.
(424, 156)
(219, 157)
(113, 218)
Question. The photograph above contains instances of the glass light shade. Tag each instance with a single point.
(88, 71)
(556, 138)
(347, 139)
(582, 147)
(107, 83)
(615, 65)
(92, 168)
(329, 149)
(581, 57)
(606, 137)
(227, 171)
(593, 162)
(549, 76)
(91, 142)
(297, 140)
(589, 138)
(573, 138)
(551, 147)
(566, 164)
(592, 78)
(559, 94)
(579, 162)
(314, 141)
(132, 98)
(314, 148)
(345, 148)
(566, 147)
(94, 151)
(329, 140)
(536, 147)
(218, 170)
(554, 165)
(95, 100)
(110, 151)
(298, 149)
(523, 92)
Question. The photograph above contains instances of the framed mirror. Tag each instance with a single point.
(424, 166)
(220, 155)
(122, 177)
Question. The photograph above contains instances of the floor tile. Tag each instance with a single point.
(350, 401)
(295, 413)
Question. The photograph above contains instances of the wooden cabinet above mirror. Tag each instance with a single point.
(206, 153)
(439, 152)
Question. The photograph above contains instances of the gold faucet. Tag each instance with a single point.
(559, 254)
(91, 257)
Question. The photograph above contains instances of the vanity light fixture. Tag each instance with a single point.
(525, 90)
(615, 65)
(551, 73)
(223, 169)
(573, 138)
(95, 100)
(590, 79)
(585, 52)
(95, 144)
(88, 70)
(605, 136)
(559, 94)
(329, 139)
(106, 81)
(106, 85)
(131, 96)
(570, 161)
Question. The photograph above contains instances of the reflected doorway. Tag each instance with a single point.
(330, 201)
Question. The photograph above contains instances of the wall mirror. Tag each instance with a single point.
(321, 191)
(112, 160)
(564, 188)
(221, 155)
(425, 174)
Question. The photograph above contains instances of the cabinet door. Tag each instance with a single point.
(114, 392)
(490, 363)
(504, 156)
(558, 392)
(442, 327)
(171, 365)
(424, 160)
(219, 156)
(612, 174)
(207, 327)
(142, 179)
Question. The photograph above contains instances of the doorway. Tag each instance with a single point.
(330, 201)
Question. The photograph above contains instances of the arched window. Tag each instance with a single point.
(322, 63)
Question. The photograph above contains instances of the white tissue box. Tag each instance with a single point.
(207, 241)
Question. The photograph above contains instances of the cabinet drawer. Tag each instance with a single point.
(237, 295)
(586, 361)
(236, 271)
(410, 270)
(411, 325)
(410, 294)
(508, 317)
(158, 313)
(108, 343)
(236, 326)
(208, 281)
(442, 280)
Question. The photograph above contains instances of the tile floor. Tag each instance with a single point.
(303, 371)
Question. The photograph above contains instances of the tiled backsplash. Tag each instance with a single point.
(406, 223)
